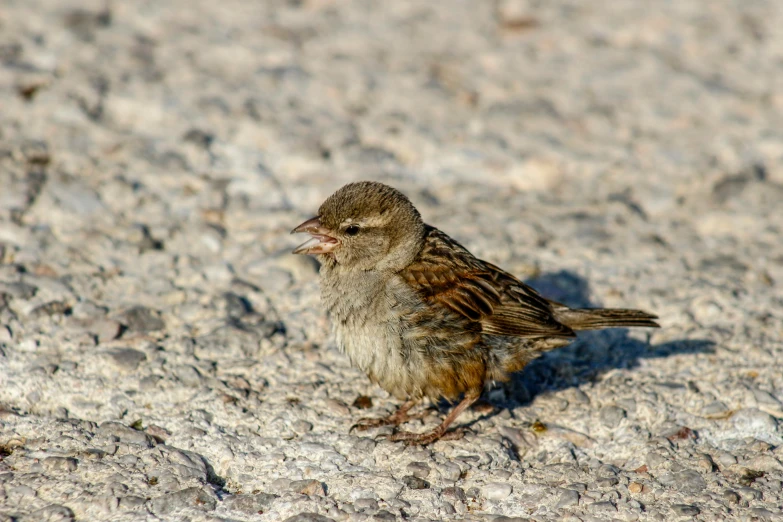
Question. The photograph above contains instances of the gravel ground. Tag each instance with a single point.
(164, 357)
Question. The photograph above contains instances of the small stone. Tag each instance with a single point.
(766, 463)
(51, 308)
(158, 432)
(308, 487)
(5, 334)
(338, 407)
(606, 482)
(302, 426)
(308, 517)
(611, 416)
(36, 152)
(716, 410)
(188, 375)
(149, 382)
(249, 504)
(568, 498)
(88, 310)
(635, 487)
(753, 422)
(118, 432)
(142, 319)
(202, 499)
(706, 463)
(688, 481)
(66, 464)
(413, 482)
(455, 493)
(364, 446)
(521, 439)
(749, 493)
(764, 514)
(450, 471)
(419, 469)
(602, 507)
(127, 359)
(131, 502)
(726, 459)
(578, 487)
(447, 508)
(759, 446)
(497, 491)
(52, 513)
(366, 504)
(685, 510)
(105, 329)
(732, 497)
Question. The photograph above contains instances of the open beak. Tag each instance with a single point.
(320, 243)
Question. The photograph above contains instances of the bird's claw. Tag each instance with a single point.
(368, 423)
(423, 439)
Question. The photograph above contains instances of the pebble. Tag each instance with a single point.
(568, 498)
(366, 504)
(413, 482)
(606, 482)
(749, 493)
(302, 426)
(308, 517)
(635, 487)
(764, 514)
(51, 513)
(497, 491)
(752, 422)
(685, 510)
(105, 329)
(419, 469)
(142, 320)
(202, 499)
(62, 464)
(602, 507)
(611, 416)
(308, 487)
(449, 471)
(688, 481)
(732, 497)
(454, 493)
(127, 359)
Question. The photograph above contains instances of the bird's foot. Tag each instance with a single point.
(395, 419)
(423, 439)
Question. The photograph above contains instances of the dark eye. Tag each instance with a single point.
(352, 230)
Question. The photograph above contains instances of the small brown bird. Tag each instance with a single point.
(420, 314)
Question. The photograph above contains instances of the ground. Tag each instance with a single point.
(163, 356)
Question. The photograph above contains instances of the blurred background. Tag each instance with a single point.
(154, 156)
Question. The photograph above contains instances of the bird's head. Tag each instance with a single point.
(365, 225)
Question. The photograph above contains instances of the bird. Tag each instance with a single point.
(422, 316)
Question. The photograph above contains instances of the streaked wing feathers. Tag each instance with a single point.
(446, 274)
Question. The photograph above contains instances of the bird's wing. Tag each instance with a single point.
(446, 274)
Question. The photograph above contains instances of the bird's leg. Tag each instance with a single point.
(423, 439)
(395, 419)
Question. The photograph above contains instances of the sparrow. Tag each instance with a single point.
(421, 315)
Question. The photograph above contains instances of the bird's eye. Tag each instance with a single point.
(352, 230)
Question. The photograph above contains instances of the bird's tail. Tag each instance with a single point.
(598, 318)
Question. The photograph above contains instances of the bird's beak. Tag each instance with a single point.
(320, 243)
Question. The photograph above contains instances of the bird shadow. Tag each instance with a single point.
(592, 354)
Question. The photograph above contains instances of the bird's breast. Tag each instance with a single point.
(364, 310)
